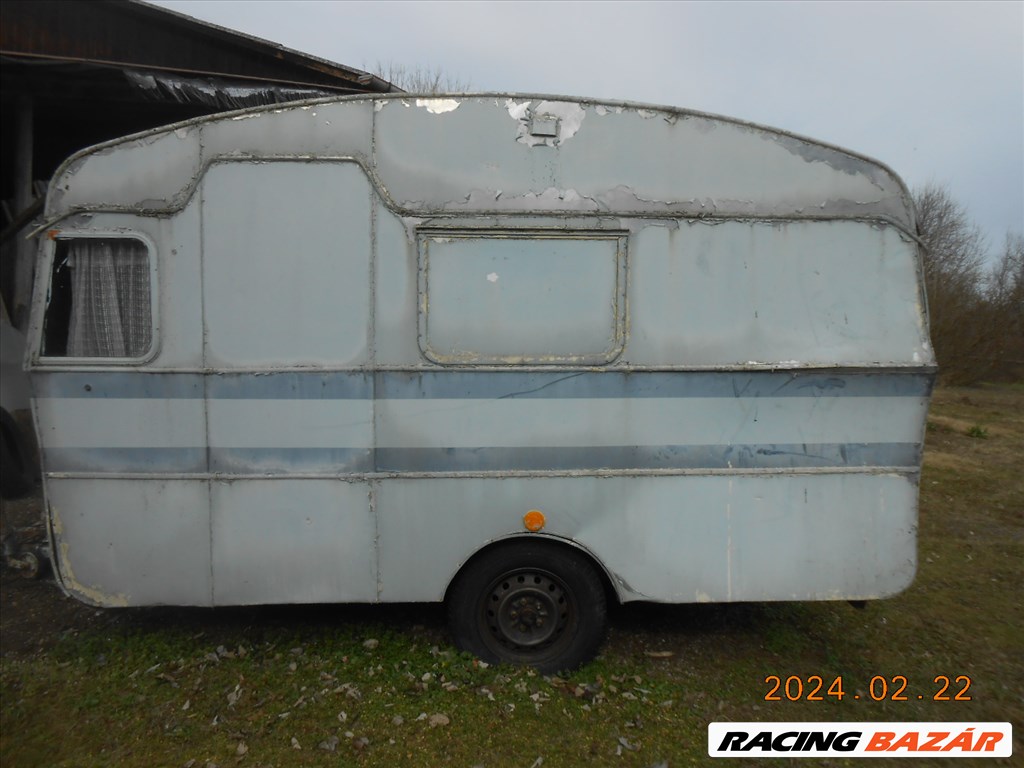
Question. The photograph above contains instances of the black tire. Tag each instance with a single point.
(15, 480)
(532, 603)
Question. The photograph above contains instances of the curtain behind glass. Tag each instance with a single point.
(110, 298)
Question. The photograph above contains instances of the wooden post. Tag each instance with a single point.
(24, 264)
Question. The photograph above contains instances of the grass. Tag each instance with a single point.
(380, 686)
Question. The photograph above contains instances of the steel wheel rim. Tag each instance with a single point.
(527, 611)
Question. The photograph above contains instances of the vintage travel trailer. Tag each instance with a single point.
(522, 354)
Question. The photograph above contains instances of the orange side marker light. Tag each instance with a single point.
(534, 520)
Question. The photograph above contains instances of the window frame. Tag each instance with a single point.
(620, 237)
(45, 269)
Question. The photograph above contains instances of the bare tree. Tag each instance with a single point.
(1006, 281)
(954, 259)
(1005, 296)
(431, 80)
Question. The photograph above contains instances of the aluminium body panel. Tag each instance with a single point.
(384, 329)
(706, 537)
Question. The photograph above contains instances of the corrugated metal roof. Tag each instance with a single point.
(143, 36)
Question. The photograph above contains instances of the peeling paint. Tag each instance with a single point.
(480, 196)
(570, 196)
(438, 106)
(840, 161)
(517, 111)
(69, 582)
(568, 116)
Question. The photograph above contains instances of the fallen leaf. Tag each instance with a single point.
(329, 744)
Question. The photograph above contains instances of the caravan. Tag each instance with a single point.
(521, 354)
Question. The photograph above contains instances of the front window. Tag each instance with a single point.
(99, 303)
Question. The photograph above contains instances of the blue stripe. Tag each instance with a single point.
(292, 385)
(233, 461)
(117, 460)
(648, 457)
(118, 384)
(288, 460)
(459, 384)
(429, 385)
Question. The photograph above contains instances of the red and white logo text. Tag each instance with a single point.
(860, 740)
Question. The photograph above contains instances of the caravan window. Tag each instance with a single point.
(99, 304)
(522, 297)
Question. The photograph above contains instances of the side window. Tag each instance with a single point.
(99, 302)
(520, 297)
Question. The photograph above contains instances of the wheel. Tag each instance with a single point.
(532, 603)
(15, 480)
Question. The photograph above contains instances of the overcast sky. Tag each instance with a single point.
(935, 90)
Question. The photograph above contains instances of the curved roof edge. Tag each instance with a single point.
(898, 208)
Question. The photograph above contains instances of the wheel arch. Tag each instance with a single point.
(611, 593)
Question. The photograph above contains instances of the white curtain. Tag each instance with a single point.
(110, 298)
